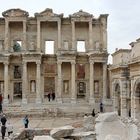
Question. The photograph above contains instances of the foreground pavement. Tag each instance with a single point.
(40, 122)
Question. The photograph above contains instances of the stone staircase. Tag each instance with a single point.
(49, 109)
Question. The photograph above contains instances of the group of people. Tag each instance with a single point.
(51, 96)
(5, 126)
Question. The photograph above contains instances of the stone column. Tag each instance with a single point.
(38, 36)
(73, 95)
(90, 35)
(73, 35)
(24, 83)
(38, 78)
(6, 83)
(91, 83)
(132, 99)
(24, 35)
(59, 34)
(104, 82)
(59, 87)
(123, 96)
(6, 42)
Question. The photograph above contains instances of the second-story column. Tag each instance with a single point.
(73, 35)
(91, 83)
(59, 82)
(38, 82)
(59, 34)
(90, 35)
(24, 83)
(6, 41)
(38, 36)
(73, 94)
(6, 83)
(24, 35)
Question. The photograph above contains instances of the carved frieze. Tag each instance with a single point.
(15, 13)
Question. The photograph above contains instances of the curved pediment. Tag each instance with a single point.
(81, 13)
(48, 13)
(15, 13)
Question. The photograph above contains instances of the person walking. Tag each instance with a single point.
(9, 128)
(93, 113)
(3, 119)
(3, 131)
(101, 107)
(26, 121)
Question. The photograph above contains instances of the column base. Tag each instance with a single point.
(24, 101)
(73, 100)
(92, 101)
(124, 112)
(5, 101)
(59, 100)
(38, 101)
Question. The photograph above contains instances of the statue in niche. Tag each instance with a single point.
(16, 47)
(65, 87)
(97, 45)
(17, 72)
(96, 86)
(33, 86)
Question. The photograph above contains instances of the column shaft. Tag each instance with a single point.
(24, 83)
(38, 96)
(73, 35)
(73, 98)
(90, 35)
(6, 83)
(91, 83)
(104, 81)
(6, 42)
(59, 88)
(24, 35)
(38, 35)
(59, 34)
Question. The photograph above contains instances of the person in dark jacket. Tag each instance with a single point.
(26, 121)
(3, 120)
(101, 107)
(3, 131)
(93, 113)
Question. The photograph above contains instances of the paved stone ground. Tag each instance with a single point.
(40, 123)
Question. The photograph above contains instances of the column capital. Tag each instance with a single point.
(73, 62)
(59, 62)
(38, 62)
(91, 62)
(6, 63)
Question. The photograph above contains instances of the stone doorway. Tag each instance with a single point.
(17, 94)
(117, 99)
(49, 86)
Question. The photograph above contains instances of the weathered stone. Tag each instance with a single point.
(112, 137)
(43, 138)
(61, 132)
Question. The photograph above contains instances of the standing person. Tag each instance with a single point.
(9, 128)
(49, 97)
(1, 108)
(53, 96)
(3, 131)
(0, 98)
(3, 119)
(26, 121)
(101, 107)
(93, 113)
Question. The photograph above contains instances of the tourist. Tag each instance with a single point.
(1, 108)
(53, 96)
(9, 128)
(3, 119)
(3, 131)
(93, 113)
(101, 107)
(26, 121)
(49, 97)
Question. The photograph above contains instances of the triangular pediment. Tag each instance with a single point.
(48, 13)
(81, 13)
(15, 13)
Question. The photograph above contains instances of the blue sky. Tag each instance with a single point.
(123, 20)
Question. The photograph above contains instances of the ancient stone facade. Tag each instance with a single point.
(125, 81)
(29, 73)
